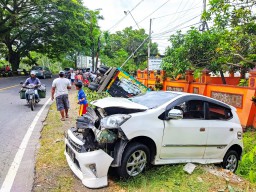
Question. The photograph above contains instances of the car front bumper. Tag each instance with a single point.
(90, 167)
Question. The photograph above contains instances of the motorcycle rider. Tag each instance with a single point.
(34, 81)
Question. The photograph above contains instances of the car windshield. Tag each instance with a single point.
(152, 99)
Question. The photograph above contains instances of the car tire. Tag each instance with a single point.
(102, 70)
(93, 86)
(134, 160)
(230, 161)
(104, 67)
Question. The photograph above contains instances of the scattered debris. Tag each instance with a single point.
(189, 167)
(200, 179)
(224, 173)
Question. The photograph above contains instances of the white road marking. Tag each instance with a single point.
(9, 179)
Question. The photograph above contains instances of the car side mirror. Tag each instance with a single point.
(175, 114)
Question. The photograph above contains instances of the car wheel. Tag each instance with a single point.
(134, 160)
(230, 161)
(102, 70)
(93, 86)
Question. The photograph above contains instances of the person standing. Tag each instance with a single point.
(72, 76)
(82, 101)
(60, 88)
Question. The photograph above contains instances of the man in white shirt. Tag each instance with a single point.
(60, 88)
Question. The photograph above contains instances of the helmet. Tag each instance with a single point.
(32, 73)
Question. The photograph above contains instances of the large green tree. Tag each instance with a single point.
(52, 27)
(229, 45)
(237, 19)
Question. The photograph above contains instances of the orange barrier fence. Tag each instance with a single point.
(230, 93)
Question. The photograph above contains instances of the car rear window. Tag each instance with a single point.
(152, 99)
(36, 68)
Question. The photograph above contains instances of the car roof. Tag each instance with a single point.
(194, 96)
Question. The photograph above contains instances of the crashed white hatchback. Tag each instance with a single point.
(157, 128)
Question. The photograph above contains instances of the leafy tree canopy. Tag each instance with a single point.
(228, 45)
(52, 27)
(119, 46)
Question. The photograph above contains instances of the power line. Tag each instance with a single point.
(165, 32)
(176, 12)
(177, 16)
(174, 30)
(124, 16)
(154, 11)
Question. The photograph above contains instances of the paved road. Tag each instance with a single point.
(15, 120)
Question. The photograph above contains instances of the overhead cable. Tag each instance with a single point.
(174, 28)
(124, 17)
(154, 11)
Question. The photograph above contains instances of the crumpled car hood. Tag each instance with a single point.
(117, 102)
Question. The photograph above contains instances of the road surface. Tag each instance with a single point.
(19, 133)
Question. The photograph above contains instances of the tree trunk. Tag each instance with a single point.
(98, 52)
(242, 72)
(14, 60)
(222, 77)
(93, 55)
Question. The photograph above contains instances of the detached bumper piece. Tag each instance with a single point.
(90, 167)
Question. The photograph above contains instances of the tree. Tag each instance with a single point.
(92, 18)
(53, 27)
(237, 18)
(192, 50)
(228, 46)
(119, 46)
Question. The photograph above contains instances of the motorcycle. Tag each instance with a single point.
(28, 92)
(5, 73)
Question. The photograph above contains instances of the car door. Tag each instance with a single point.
(185, 138)
(221, 131)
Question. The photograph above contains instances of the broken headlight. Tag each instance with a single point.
(114, 121)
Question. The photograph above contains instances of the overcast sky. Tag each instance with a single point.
(167, 16)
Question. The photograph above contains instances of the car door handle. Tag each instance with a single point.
(202, 129)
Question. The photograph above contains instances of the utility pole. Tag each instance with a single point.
(204, 23)
(149, 44)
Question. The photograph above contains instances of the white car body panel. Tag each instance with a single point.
(101, 160)
(183, 139)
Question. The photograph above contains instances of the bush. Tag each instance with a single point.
(247, 166)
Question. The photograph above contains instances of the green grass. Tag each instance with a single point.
(172, 178)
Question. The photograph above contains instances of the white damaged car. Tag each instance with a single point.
(157, 128)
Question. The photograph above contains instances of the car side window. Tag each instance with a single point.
(217, 112)
(192, 109)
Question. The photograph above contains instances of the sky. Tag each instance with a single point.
(167, 16)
